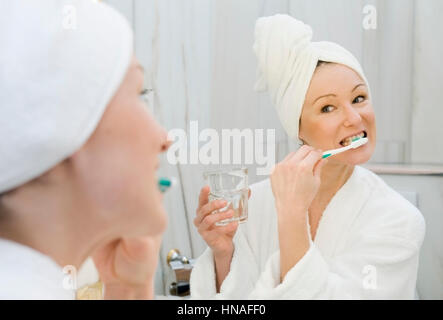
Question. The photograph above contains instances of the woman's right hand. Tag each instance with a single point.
(218, 238)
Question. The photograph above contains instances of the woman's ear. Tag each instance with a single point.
(300, 133)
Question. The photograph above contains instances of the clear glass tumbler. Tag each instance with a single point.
(230, 185)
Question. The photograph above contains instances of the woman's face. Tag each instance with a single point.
(118, 164)
(338, 107)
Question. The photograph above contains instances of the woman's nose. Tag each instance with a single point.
(165, 142)
(352, 116)
(166, 145)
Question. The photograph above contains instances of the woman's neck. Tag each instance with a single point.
(53, 224)
(333, 176)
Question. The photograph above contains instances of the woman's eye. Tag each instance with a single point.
(144, 94)
(359, 99)
(326, 109)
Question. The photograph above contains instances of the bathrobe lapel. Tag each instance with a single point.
(340, 213)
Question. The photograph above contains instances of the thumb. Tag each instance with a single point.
(318, 168)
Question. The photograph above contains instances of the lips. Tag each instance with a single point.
(347, 140)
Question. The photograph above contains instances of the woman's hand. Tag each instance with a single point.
(218, 238)
(127, 267)
(295, 181)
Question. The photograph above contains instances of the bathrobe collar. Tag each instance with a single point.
(28, 274)
(337, 217)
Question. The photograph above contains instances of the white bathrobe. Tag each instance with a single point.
(26, 274)
(366, 247)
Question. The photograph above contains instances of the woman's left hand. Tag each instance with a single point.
(127, 267)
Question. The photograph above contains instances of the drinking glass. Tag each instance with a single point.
(230, 185)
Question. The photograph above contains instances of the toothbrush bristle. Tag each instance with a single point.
(359, 142)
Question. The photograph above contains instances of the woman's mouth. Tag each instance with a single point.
(347, 141)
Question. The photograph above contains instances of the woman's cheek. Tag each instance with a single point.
(369, 118)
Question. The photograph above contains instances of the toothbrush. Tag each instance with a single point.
(165, 183)
(356, 143)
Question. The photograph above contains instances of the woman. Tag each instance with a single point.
(318, 228)
(78, 155)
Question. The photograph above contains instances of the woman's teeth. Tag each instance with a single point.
(346, 142)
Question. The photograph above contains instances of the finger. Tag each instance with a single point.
(138, 249)
(289, 156)
(230, 227)
(203, 198)
(102, 253)
(299, 155)
(318, 167)
(273, 169)
(211, 219)
(249, 193)
(209, 208)
(311, 159)
(302, 153)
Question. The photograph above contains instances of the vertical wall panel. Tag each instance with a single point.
(338, 21)
(174, 42)
(390, 76)
(234, 103)
(427, 116)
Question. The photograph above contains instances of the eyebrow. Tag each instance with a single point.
(326, 95)
(334, 95)
(358, 85)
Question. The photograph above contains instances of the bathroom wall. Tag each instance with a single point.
(199, 61)
(423, 187)
(427, 113)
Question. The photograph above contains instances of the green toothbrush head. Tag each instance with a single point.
(165, 183)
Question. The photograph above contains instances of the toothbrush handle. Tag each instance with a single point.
(330, 153)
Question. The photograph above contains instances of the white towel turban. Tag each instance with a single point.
(286, 63)
(61, 62)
